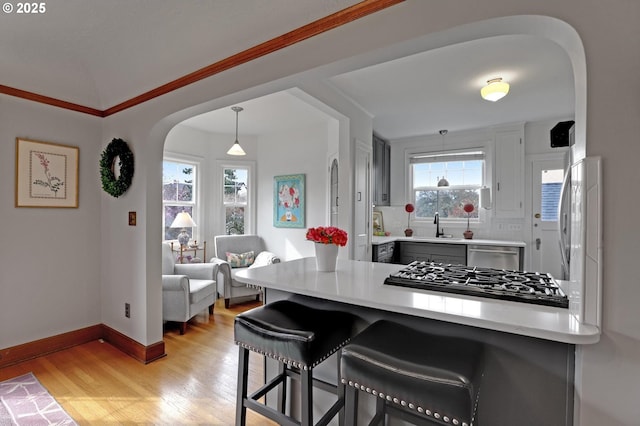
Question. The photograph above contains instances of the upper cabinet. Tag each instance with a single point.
(381, 171)
(508, 188)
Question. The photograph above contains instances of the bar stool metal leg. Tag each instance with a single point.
(243, 375)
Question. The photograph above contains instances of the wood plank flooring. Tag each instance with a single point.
(193, 385)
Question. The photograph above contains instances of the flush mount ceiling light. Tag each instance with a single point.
(236, 149)
(495, 89)
(443, 181)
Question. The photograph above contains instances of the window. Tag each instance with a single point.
(550, 194)
(464, 170)
(236, 199)
(179, 193)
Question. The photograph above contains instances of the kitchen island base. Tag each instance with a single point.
(528, 381)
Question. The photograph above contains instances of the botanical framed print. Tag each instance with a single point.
(288, 201)
(46, 174)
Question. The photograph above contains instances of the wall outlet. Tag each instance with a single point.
(127, 310)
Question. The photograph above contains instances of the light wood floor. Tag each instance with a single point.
(193, 385)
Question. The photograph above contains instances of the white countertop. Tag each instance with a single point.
(362, 284)
(504, 243)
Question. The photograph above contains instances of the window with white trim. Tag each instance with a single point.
(236, 199)
(179, 193)
(464, 170)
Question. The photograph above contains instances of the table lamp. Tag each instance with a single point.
(183, 220)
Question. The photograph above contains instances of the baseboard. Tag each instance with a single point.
(30, 350)
(144, 354)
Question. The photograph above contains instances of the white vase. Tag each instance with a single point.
(326, 257)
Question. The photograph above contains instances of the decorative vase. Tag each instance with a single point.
(468, 234)
(408, 232)
(326, 257)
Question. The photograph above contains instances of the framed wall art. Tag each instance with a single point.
(288, 201)
(46, 174)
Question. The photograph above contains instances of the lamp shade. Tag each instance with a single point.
(495, 89)
(236, 149)
(183, 220)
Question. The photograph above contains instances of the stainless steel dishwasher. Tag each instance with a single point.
(499, 257)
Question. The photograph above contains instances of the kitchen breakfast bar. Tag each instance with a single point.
(530, 349)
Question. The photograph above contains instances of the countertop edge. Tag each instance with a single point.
(561, 325)
(376, 240)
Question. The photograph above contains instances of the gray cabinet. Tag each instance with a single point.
(383, 252)
(408, 251)
(381, 172)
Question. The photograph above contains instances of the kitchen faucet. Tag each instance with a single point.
(436, 221)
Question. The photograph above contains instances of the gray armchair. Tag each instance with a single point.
(228, 287)
(186, 288)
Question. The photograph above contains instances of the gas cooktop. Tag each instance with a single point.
(519, 286)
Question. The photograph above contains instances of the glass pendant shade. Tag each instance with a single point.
(236, 149)
(495, 90)
(443, 182)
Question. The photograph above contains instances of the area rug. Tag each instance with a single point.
(25, 402)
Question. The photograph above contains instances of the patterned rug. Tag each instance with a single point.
(25, 402)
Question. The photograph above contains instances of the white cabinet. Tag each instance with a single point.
(508, 187)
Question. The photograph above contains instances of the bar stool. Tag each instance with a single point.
(299, 338)
(419, 377)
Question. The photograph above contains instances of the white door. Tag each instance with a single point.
(546, 182)
(362, 209)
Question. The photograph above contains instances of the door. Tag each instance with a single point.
(547, 176)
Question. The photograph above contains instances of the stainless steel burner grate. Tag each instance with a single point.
(519, 286)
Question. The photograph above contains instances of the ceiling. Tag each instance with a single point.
(426, 92)
(100, 53)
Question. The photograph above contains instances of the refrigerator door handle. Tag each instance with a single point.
(563, 222)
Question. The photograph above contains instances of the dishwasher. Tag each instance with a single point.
(498, 257)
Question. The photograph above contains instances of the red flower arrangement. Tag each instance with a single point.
(327, 235)
(409, 208)
(469, 208)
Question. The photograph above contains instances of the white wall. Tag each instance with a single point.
(293, 152)
(49, 257)
(609, 372)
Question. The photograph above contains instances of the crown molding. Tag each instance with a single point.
(312, 29)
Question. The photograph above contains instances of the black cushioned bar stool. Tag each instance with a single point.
(419, 377)
(299, 338)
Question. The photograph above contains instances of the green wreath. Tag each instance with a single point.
(111, 185)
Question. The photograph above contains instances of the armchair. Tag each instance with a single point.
(186, 289)
(228, 287)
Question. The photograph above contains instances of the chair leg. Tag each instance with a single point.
(241, 393)
(351, 406)
(381, 412)
(211, 309)
(282, 389)
(306, 400)
(226, 303)
(183, 327)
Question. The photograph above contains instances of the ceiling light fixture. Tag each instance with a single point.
(236, 149)
(495, 90)
(443, 181)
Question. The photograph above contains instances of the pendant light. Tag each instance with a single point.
(236, 149)
(443, 181)
(495, 90)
